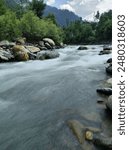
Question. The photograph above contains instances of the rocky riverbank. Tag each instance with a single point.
(88, 134)
(22, 51)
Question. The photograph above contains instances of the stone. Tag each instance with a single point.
(20, 53)
(82, 48)
(47, 55)
(5, 55)
(48, 46)
(21, 56)
(20, 41)
(107, 48)
(32, 49)
(19, 48)
(109, 103)
(104, 52)
(109, 81)
(49, 41)
(109, 69)
(89, 135)
(6, 44)
(109, 60)
(78, 130)
(41, 43)
(105, 91)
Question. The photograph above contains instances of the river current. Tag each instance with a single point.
(37, 98)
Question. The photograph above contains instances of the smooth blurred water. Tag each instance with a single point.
(37, 98)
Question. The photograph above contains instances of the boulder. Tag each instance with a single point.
(21, 56)
(105, 91)
(5, 55)
(82, 48)
(50, 41)
(109, 60)
(48, 46)
(109, 103)
(19, 48)
(107, 48)
(47, 55)
(6, 44)
(104, 52)
(109, 83)
(109, 69)
(41, 43)
(20, 41)
(20, 53)
(32, 49)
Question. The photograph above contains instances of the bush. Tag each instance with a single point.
(35, 29)
(9, 26)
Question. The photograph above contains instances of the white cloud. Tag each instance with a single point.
(87, 8)
(50, 2)
(67, 6)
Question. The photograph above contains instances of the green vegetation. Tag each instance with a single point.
(25, 19)
(84, 32)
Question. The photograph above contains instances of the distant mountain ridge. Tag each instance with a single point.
(63, 17)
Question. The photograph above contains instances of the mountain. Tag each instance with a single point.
(63, 17)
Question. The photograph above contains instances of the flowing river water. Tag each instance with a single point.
(37, 98)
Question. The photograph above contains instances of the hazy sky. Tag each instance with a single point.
(83, 8)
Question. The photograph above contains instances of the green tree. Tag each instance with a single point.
(34, 28)
(52, 18)
(104, 27)
(3, 7)
(9, 26)
(37, 6)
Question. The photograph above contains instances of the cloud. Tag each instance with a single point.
(67, 6)
(87, 8)
(50, 2)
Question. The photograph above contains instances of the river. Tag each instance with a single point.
(37, 98)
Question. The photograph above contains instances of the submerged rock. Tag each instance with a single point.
(106, 91)
(82, 48)
(47, 55)
(98, 139)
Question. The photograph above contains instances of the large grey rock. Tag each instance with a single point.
(48, 46)
(109, 60)
(32, 49)
(105, 91)
(47, 55)
(50, 41)
(5, 55)
(6, 44)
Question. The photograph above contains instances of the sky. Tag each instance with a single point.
(83, 8)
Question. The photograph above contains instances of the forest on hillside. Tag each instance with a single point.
(26, 19)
